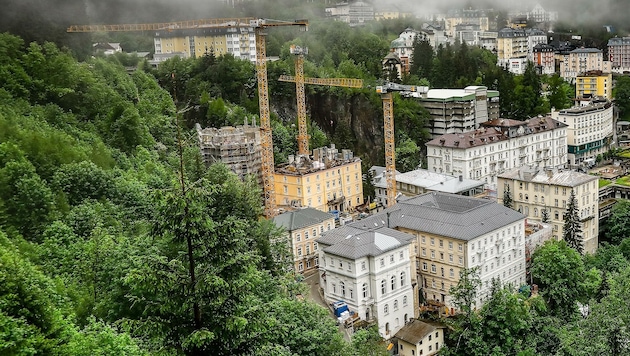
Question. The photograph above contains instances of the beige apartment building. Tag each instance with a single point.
(583, 60)
(534, 190)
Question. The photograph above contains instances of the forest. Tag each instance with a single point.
(115, 239)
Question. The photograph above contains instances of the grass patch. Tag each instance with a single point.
(623, 181)
(604, 182)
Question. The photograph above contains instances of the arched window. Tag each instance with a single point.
(405, 302)
(343, 288)
(396, 304)
(536, 212)
(393, 282)
(383, 286)
(386, 309)
(364, 290)
(402, 279)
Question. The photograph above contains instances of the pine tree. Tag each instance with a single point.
(507, 197)
(572, 233)
(545, 215)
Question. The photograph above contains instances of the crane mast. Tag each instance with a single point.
(388, 131)
(259, 25)
(303, 138)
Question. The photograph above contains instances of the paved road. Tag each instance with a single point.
(312, 279)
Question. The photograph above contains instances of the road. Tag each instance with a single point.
(312, 280)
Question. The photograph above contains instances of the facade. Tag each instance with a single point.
(403, 46)
(351, 12)
(369, 268)
(468, 16)
(594, 84)
(420, 338)
(303, 227)
(239, 41)
(328, 180)
(619, 54)
(511, 43)
(455, 232)
(459, 110)
(238, 147)
(582, 60)
(421, 181)
(540, 15)
(590, 129)
(497, 146)
(534, 190)
(544, 58)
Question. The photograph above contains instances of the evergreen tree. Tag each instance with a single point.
(507, 197)
(572, 233)
(422, 59)
(545, 215)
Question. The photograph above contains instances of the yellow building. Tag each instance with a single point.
(238, 41)
(329, 180)
(420, 338)
(594, 84)
(535, 190)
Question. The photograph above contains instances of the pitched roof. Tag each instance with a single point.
(451, 215)
(357, 241)
(566, 178)
(416, 330)
(293, 220)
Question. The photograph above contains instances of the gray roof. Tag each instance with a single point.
(456, 216)
(566, 178)
(355, 241)
(293, 220)
(586, 50)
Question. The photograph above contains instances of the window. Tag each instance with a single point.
(343, 288)
(450, 245)
(308, 249)
(363, 266)
(393, 282)
(442, 256)
(364, 290)
(314, 246)
(334, 288)
(424, 251)
(402, 279)
(432, 253)
(391, 258)
(461, 260)
(401, 255)
(314, 232)
(441, 243)
(382, 262)
(405, 300)
(383, 286)
(432, 241)
(424, 266)
(298, 237)
(452, 273)
(450, 258)
(305, 235)
(340, 264)
(299, 251)
(386, 310)
(301, 267)
(395, 304)
(460, 247)
(433, 268)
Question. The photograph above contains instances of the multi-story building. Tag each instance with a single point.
(328, 180)
(421, 181)
(497, 146)
(403, 45)
(370, 268)
(239, 41)
(619, 54)
(455, 232)
(352, 12)
(303, 227)
(466, 16)
(459, 110)
(594, 84)
(512, 43)
(590, 129)
(534, 190)
(582, 60)
(238, 147)
(543, 56)
(539, 15)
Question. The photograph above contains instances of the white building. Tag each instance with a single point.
(619, 54)
(499, 145)
(454, 232)
(589, 132)
(370, 269)
(420, 181)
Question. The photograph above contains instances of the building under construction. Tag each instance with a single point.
(238, 147)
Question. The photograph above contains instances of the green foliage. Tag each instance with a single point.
(368, 342)
(559, 272)
(408, 156)
(572, 232)
(561, 94)
(621, 93)
(617, 225)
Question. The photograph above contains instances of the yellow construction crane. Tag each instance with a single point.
(300, 80)
(260, 26)
(388, 130)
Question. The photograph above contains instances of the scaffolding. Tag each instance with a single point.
(240, 148)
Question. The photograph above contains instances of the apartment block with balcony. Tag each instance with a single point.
(590, 130)
(534, 190)
(303, 227)
(619, 54)
(459, 110)
(497, 146)
(582, 60)
(369, 268)
(594, 84)
(327, 180)
(543, 56)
